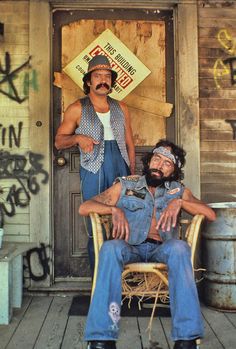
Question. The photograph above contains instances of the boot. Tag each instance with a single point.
(101, 345)
(188, 344)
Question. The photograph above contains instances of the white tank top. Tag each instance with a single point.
(105, 120)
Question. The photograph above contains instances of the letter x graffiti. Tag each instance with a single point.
(8, 77)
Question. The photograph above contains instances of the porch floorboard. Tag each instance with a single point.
(43, 322)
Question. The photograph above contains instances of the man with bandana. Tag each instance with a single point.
(145, 213)
(100, 126)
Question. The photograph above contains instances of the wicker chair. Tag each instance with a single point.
(144, 280)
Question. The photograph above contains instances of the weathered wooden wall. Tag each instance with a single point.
(217, 42)
(14, 117)
(24, 120)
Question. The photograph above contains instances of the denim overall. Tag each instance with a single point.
(108, 160)
(104, 312)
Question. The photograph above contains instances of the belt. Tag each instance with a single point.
(153, 241)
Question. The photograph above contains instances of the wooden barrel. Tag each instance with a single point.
(219, 258)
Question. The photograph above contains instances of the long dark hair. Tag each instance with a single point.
(179, 154)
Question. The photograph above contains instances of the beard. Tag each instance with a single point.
(154, 181)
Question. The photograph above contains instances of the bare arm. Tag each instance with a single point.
(188, 203)
(101, 203)
(129, 137)
(105, 203)
(65, 137)
(194, 206)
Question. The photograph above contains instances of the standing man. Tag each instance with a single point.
(100, 126)
(144, 215)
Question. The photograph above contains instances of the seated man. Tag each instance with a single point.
(144, 214)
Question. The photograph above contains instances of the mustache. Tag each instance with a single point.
(103, 85)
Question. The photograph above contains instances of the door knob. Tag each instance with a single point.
(60, 161)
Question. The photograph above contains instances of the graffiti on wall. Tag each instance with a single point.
(21, 171)
(24, 78)
(22, 175)
(27, 174)
(41, 254)
(233, 125)
(11, 136)
(226, 66)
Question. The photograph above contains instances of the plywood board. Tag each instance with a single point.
(149, 111)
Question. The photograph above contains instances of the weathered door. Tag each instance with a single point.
(149, 35)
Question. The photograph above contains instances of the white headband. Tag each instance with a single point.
(165, 152)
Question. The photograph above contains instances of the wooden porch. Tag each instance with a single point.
(43, 322)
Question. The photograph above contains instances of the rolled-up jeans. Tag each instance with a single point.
(104, 312)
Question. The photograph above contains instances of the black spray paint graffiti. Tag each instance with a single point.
(25, 173)
(233, 125)
(7, 77)
(43, 261)
(12, 134)
(232, 64)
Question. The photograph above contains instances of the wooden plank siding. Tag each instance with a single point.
(13, 114)
(217, 38)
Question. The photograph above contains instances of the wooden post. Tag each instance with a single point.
(39, 102)
(188, 133)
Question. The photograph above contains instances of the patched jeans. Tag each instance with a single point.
(104, 312)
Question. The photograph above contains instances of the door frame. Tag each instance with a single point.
(186, 96)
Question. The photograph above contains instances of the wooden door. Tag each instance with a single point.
(148, 34)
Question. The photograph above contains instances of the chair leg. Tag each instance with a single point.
(149, 328)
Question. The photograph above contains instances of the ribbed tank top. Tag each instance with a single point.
(105, 120)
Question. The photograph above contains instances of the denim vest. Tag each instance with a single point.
(90, 125)
(138, 203)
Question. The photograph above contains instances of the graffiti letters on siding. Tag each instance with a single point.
(226, 66)
(8, 77)
(10, 136)
(27, 174)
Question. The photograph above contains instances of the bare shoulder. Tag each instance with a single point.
(71, 118)
(74, 107)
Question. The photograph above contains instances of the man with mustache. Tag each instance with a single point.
(145, 213)
(100, 126)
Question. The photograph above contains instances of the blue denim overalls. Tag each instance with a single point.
(108, 160)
